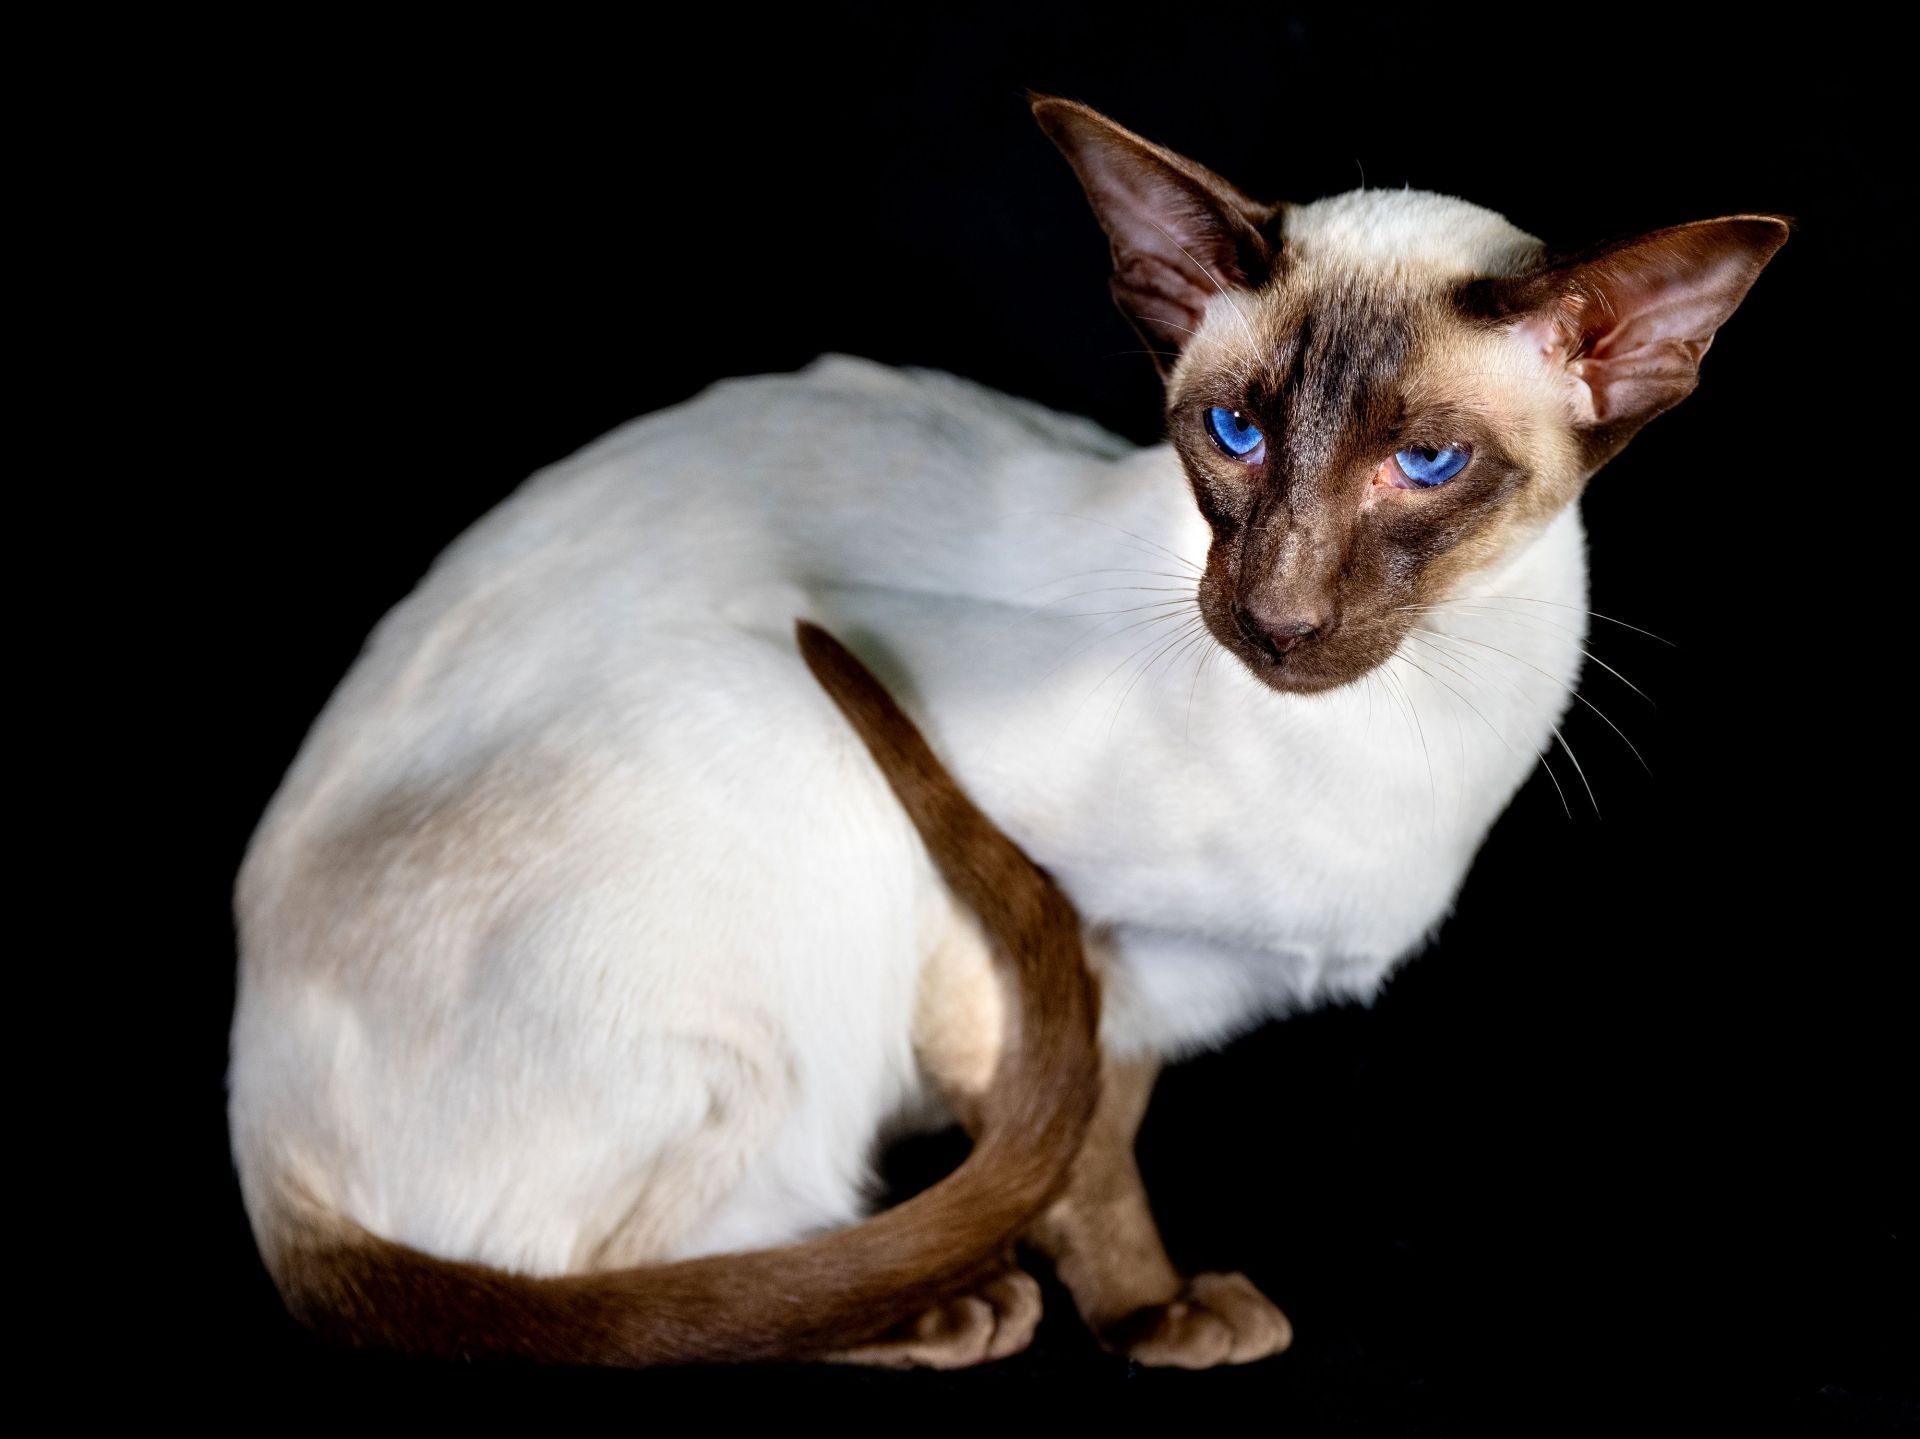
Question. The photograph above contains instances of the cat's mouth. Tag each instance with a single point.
(1324, 661)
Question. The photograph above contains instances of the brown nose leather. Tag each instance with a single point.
(1277, 636)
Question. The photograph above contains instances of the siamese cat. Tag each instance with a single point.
(592, 942)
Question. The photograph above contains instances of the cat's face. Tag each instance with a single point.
(1378, 395)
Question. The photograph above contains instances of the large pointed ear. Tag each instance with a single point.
(1180, 233)
(1631, 321)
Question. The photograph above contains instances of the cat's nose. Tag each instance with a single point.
(1278, 631)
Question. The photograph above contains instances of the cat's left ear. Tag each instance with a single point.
(1630, 322)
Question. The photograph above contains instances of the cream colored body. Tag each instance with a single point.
(584, 933)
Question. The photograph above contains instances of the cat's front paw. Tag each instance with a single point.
(996, 1320)
(1215, 1319)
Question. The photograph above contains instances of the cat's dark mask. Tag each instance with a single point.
(1378, 395)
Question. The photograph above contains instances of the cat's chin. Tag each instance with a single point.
(1296, 676)
(1302, 672)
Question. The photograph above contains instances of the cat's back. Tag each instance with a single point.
(610, 650)
(681, 535)
(584, 735)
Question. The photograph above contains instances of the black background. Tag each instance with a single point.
(1632, 1131)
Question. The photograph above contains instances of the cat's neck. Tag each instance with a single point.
(1099, 721)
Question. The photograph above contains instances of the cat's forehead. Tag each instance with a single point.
(1359, 306)
(1410, 233)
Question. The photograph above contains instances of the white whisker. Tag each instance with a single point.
(1514, 685)
(1518, 659)
(1176, 557)
(1495, 731)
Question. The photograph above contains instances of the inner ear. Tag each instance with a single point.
(1180, 234)
(1630, 322)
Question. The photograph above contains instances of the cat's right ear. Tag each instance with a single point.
(1629, 322)
(1181, 235)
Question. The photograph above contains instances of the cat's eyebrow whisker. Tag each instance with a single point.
(1563, 685)
(1538, 753)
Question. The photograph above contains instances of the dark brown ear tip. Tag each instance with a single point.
(1766, 233)
(1051, 114)
(1061, 117)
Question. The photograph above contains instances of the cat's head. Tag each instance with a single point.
(1377, 395)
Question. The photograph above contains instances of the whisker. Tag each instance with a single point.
(1123, 610)
(1530, 600)
(1142, 672)
(1460, 733)
(1101, 632)
(1146, 645)
(1433, 793)
(1563, 685)
(1207, 657)
(1497, 733)
(1088, 574)
(1185, 591)
(1511, 618)
(1177, 558)
(1571, 756)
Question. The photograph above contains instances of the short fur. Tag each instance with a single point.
(582, 936)
(854, 1284)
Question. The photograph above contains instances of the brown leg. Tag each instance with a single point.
(1100, 1233)
(1103, 1242)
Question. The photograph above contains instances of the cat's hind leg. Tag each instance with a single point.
(957, 1030)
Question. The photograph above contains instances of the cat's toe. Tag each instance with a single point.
(1215, 1319)
(994, 1321)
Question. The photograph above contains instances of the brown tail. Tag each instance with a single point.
(828, 1293)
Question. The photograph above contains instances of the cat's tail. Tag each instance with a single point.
(824, 1294)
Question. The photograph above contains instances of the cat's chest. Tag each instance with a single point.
(1184, 798)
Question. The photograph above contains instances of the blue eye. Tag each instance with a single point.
(1235, 433)
(1425, 467)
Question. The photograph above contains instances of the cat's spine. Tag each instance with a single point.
(824, 1294)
